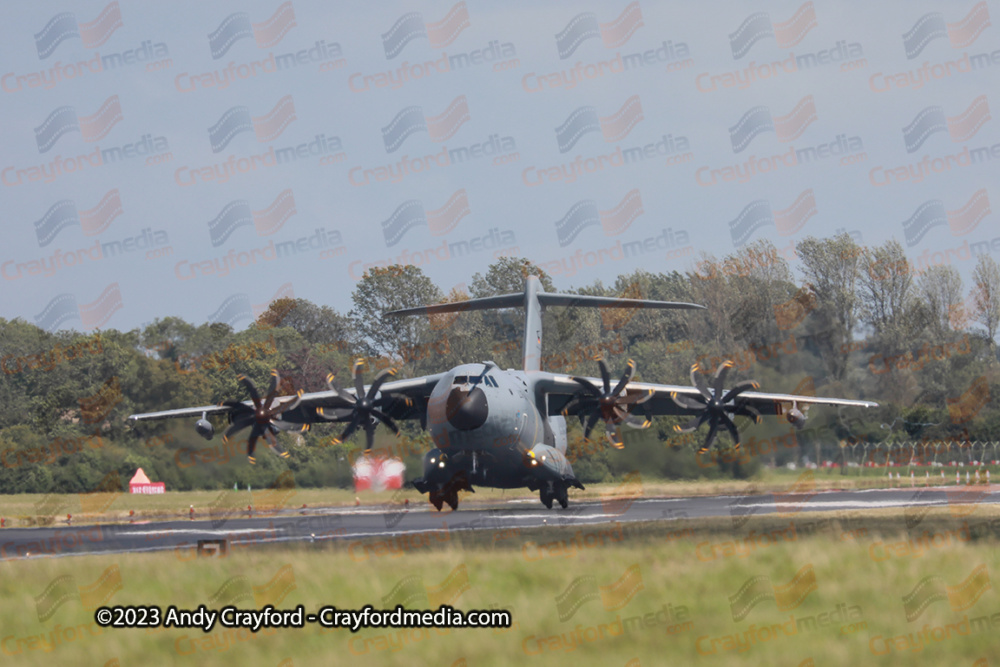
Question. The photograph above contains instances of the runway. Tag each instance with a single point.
(393, 526)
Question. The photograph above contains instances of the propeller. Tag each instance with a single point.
(594, 403)
(714, 406)
(363, 409)
(262, 417)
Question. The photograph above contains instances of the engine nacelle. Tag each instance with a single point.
(205, 428)
(796, 418)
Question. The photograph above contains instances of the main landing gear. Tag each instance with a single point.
(552, 491)
(447, 492)
(440, 497)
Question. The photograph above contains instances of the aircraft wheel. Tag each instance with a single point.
(437, 499)
(562, 495)
(451, 497)
(546, 497)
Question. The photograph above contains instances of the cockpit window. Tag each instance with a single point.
(486, 380)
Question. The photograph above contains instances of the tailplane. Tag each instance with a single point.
(534, 300)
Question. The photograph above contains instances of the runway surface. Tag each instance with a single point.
(393, 526)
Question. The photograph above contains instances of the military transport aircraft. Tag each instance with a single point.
(502, 428)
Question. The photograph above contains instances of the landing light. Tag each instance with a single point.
(441, 465)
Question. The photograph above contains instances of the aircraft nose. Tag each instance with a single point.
(467, 410)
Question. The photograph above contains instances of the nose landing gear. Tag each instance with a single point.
(554, 491)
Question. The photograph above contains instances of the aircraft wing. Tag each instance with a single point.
(417, 390)
(561, 389)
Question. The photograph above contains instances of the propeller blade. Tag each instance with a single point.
(385, 419)
(252, 388)
(369, 436)
(635, 422)
(635, 398)
(626, 378)
(334, 414)
(359, 384)
(739, 389)
(237, 407)
(720, 376)
(594, 418)
(614, 436)
(351, 427)
(688, 402)
(255, 433)
(272, 389)
(288, 403)
(331, 382)
(712, 430)
(699, 383)
(692, 425)
(746, 410)
(605, 375)
(733, 431)
(379, 379)
(587, 384)
(275, 445)
(238, 425)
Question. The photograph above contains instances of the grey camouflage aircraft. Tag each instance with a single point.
(503, 428)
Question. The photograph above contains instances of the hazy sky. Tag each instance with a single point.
(198, 159)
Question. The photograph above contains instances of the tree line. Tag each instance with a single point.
(859, 322)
